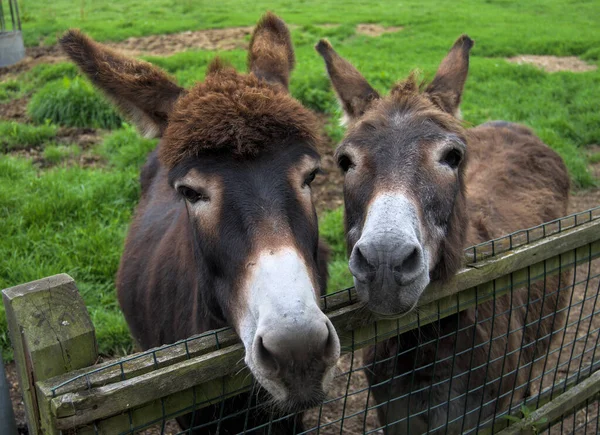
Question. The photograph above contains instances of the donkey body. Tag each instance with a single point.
(418, 189)
(225, 232)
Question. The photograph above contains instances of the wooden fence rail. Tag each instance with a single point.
(55, 346)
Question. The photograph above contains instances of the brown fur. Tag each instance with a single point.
(513, 181)
(508, 180)
(446, 88)
(179, 274)
(142, 91)
(237, 113)
(353, 90)
(271, 56)
(408, 96)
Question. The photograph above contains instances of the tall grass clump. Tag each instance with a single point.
(74, 103)
(125, 148)
(9, 89)
(48, 72)
(14, 135)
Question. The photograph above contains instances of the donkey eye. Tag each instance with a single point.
(191, 195)
(311, 177)
(452, 158)
(345, 163)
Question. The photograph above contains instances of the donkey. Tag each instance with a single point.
(226, 232)
(418, 188)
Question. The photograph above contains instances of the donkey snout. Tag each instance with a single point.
(390, 271)
(282, 349)
(376, 260)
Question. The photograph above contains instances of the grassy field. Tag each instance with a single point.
(65, 206)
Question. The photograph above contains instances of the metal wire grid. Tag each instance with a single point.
(352, 408)
(13, 9)
(334, 300)
(563, 365)
(572, 358)
(520, 238)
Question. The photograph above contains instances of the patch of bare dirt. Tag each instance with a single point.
(165, 45)
(33, 57)
(153, 45)
(554, 63)
(345, 413)
(375, 30)
(83, 160)
(85, 138)
(14, 110)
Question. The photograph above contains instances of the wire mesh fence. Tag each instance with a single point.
(510, 334)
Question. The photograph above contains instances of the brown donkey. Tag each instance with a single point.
(225, 232)
(418, 189)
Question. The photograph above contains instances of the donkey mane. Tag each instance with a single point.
(237, 113)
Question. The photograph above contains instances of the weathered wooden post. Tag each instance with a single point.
(51, 334)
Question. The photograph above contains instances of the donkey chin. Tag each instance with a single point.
(389, 263)
(291, 347)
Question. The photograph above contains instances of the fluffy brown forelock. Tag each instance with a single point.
(409, 94)
(236, 113)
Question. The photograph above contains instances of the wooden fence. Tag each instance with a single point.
(65, 390)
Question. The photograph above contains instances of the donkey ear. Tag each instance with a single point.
(447, 86)
(142, 91)
(353, 90)
(271, 54)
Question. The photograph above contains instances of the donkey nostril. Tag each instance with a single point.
(409, 267)
(360, 266)
(281, 351)
(266, 359)
(409, 263)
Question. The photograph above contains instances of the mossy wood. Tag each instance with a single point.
(160, 384)
(551, 412)
(52, 334)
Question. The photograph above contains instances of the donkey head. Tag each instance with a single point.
(403, 157)
(240, 154)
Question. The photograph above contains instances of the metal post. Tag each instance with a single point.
(8, 425)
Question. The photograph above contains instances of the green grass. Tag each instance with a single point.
(510, 26)
(9, 89)
(55, 154)
(331, 226)
(15, 135)
(73, 220)
(74, 103)
(125, 149)
(594, 158)
(34, 79)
